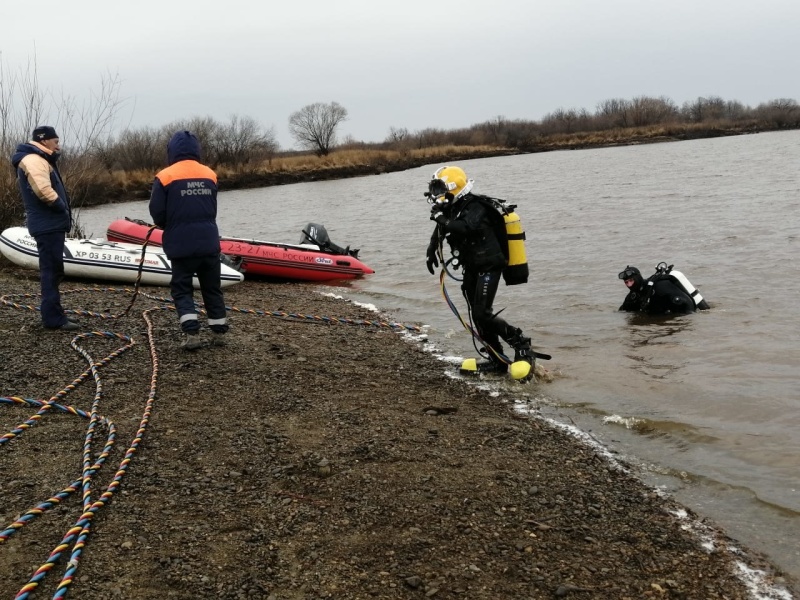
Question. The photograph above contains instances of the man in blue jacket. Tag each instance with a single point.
(184, 203)
(48, 217)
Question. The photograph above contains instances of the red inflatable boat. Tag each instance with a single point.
(315, 258)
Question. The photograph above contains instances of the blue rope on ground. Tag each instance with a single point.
(75, 539)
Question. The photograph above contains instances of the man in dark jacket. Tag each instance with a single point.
(654, 296)
(474, 229)
(48, 217)
(184, 203)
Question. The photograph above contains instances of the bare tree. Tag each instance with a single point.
(206, 129)
(314, 126)
(243, 142)
(646, 110)
(397, 135)
(614, 112)
(783, 112)
(86, 122)
(11, 133)
(703, 109)
(717, 107)
(524, 135)
(431, 137)
(86, 125)
(736, 111)
(134, 149)
(561, 120)
(495, 129)
(24, 104)
(21, 104)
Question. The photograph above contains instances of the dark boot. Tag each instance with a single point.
(493, 367)
(522, 347)
(192, 342)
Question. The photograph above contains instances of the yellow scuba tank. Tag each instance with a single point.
(517, 270)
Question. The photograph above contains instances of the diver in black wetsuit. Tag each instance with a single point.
(476, 234)
(658, 295)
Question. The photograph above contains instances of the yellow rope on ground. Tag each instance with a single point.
(75, 539)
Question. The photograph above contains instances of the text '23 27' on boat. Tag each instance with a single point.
(102, 260)
(315, 258)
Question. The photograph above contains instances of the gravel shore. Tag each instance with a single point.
(320, 454)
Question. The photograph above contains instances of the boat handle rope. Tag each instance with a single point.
(137, 282)
(77, 535)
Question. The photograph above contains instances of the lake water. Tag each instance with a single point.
(706, 405)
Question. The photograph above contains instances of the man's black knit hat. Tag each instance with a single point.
(44, 132)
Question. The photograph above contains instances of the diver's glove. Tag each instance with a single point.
(433, 260)
(437, 214)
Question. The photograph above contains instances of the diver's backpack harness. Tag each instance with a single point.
(510, 236)
(516, 271)
(668, 272)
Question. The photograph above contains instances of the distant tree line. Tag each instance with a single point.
(97, 161)
(241, 143)
(613, 114)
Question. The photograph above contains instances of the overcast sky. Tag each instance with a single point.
(407, 63)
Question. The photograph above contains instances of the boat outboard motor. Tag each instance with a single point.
(315, 233)
(234, 262)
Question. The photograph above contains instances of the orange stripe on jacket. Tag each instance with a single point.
(186, 169)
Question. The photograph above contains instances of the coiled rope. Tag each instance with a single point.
(75, 539)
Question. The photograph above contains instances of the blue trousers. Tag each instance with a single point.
(207, 269)
(51, 271)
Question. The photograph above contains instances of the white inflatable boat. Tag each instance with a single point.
(99, 259)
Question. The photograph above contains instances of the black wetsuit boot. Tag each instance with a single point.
(522, 347)
(493, 364)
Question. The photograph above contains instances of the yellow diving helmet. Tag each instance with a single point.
(448, 184)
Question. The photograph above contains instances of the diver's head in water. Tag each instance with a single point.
(632, 278)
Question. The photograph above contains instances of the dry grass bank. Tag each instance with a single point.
(293, 168)
(353, 162)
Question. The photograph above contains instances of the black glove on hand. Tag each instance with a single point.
(433, 260)
(437, 214)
